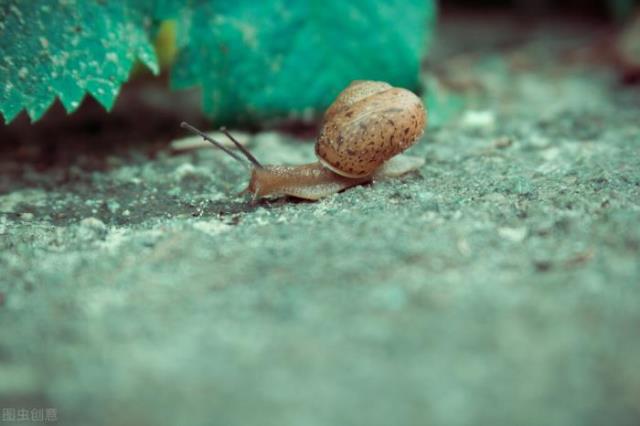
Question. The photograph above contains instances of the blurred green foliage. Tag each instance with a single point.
(253, 60)
(618, 9)
(66, 49)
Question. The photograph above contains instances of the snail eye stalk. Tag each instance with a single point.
(206, 137)
(241, 147)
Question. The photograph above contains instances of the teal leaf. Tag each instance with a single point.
(252, 60)
(67, 48)
(255, 60)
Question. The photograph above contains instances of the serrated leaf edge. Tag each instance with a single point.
(148, 59)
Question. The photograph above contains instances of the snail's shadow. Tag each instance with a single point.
(229, 208)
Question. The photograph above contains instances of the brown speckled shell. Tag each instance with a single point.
(368, 123)
(354, 92)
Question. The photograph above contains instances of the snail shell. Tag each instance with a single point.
(367, 124)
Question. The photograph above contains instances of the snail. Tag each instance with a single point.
(362, 135)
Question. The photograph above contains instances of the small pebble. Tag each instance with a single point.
(91, 228)
(513, 234)
(478, 119)
(93, 223)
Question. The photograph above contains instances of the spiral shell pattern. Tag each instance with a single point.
(369, 123)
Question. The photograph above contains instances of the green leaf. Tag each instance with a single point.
(253, 60)
(270, 58)
(67, 48)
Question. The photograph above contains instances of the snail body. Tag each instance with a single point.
(362, 134)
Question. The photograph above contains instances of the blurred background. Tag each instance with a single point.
(616, 9)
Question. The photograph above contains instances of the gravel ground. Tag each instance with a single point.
(498, 285)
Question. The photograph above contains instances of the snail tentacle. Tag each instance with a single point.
(241, 147)
(208, 138)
